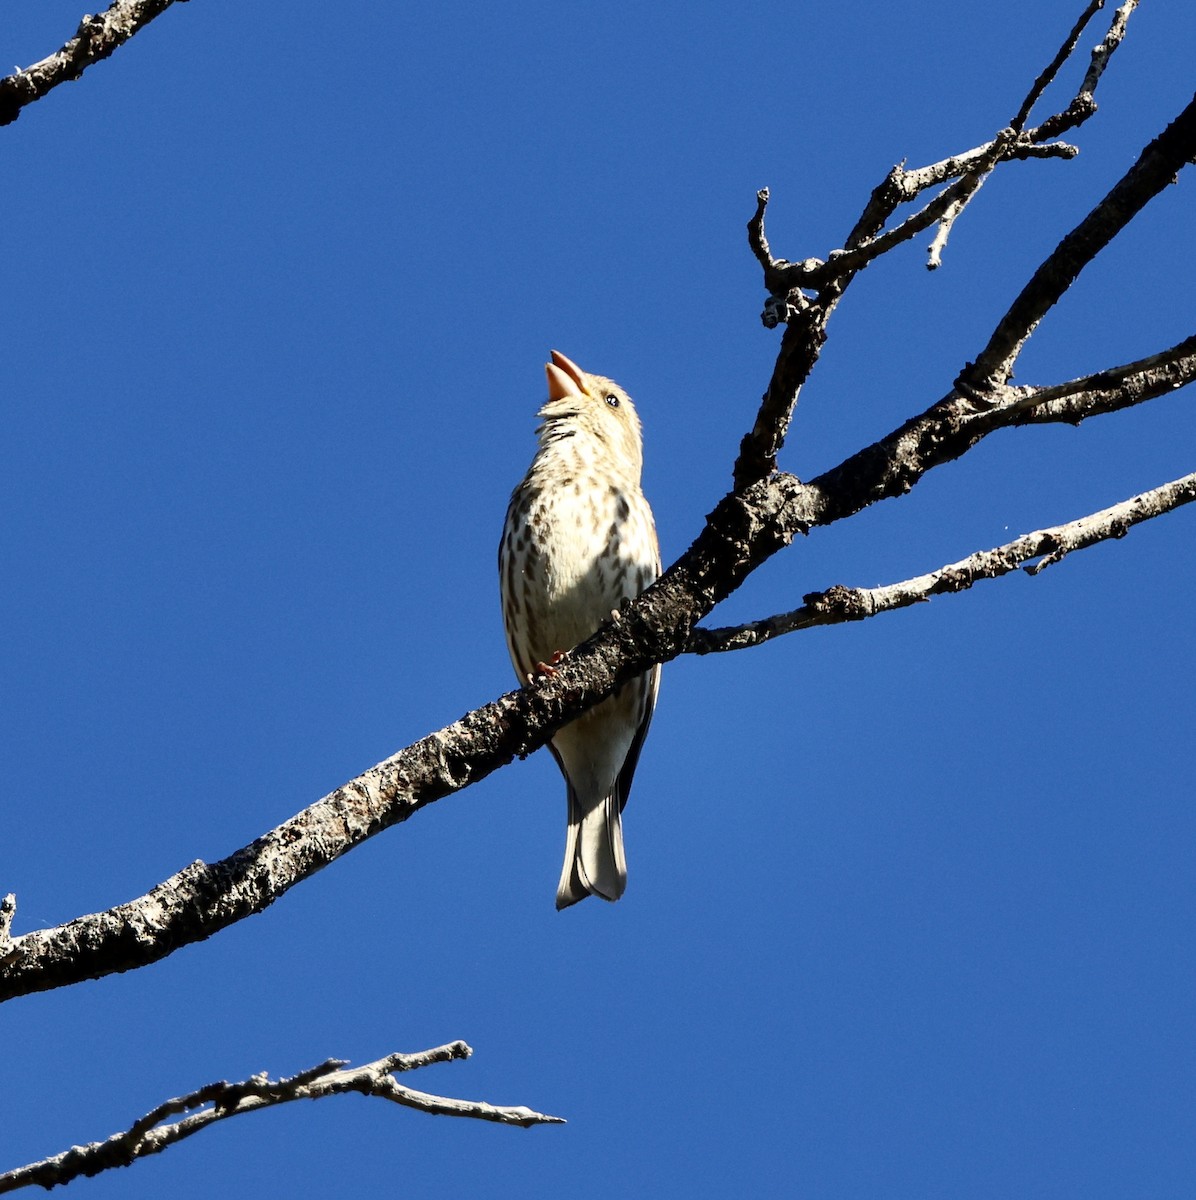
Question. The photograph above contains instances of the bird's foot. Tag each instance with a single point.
(547, 669)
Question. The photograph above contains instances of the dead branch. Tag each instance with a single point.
(96, 38)
(763, 514)
(806, 319)
(1041, 549)
(219, 1101)
(1156, 168)
(1110, 390)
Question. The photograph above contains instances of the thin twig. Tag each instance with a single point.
(1040, 549)
(806, 320)
(1104, 51)
(1047, 77)
(219, 1101)
(756, 237)
(867, 242)
(974, 180)
(966, 189)
(812, 273)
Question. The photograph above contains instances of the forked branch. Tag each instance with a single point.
(1157, 167)
(788, 283)
(867, 242)
(1040, 549)
(214, 1102)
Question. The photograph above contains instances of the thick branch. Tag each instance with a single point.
(1048, 546)
(202, 899)
(892, 466)
(219, 1101)
(947, 430)
(96, 38)
(744, 530)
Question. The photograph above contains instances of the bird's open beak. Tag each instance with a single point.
(565, 378)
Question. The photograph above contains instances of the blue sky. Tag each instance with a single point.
(911, 902)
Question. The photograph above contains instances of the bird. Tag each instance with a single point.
(578, 540)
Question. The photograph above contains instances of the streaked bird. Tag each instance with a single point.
(578, 540)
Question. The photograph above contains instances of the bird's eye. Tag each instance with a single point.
(612, 399)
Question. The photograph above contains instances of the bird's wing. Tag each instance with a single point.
(623, 785)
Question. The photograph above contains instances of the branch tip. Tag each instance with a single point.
(757, 239)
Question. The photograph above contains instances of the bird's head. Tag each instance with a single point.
(592, 406)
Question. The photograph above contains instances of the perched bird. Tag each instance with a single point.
(578, 540)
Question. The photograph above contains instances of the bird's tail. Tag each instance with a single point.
(594, 861)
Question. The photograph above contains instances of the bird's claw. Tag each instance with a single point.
(546, 669)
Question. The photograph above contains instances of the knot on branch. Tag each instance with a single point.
(782, 279)
(781, 309)
(776, 312)
(90, 35)
(981, 395)
(846, 603)
(953, 579)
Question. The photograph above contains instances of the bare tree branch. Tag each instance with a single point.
(971, 166)
(1006, 146)
(969, 185)
(97, 37)
(763, 513)
(1103, 52)
(1157, 166)
(744, 530)
(1065, 52)
(806, 319)
(982, 401)
(1107, 391)
(866, 242)
(219, 1101)
(1048, 546)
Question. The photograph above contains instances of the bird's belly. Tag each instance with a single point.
(582, 560)
(582, 583)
